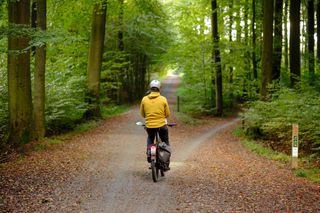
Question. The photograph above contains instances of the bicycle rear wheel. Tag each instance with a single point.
(155, 171)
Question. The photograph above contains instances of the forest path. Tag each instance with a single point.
(122, 181)
(105, 170)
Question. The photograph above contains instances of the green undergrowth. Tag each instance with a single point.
(107, 112)
(46, 143)
(110, 111)
(265, 151)
(312, 174)
(306, 170)
(188, 119)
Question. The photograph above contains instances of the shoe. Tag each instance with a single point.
(166, 169)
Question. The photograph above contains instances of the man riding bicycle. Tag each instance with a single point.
(155, 109)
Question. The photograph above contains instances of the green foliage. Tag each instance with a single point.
(191, 54)
(47, 143)
(273, 120)
(64, 103)
(147, 30)
(53, 141)
(65, 86)
(312, 174)
(193, 98)
(3, 107)
(300, 173)
(3, 76)
(112, 110)
(188, 119)
(85, 126)
(266, 152)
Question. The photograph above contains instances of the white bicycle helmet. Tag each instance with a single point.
(155, 83)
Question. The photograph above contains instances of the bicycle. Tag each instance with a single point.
(155, 163)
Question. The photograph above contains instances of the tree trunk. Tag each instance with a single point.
(310, 31)
(121, 94)
(267, 47)
(39, 76)
(246, 26)
(238, 22)
(253, 24)
(216, 58)
(295, 42)
(19, 83)
(277, 42)
(286, 47)
(247, 59)
(304, 38)
(120, 32)
(95, 58)
(230, 38)
(318, 31)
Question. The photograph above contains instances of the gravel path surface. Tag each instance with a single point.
(105, 170)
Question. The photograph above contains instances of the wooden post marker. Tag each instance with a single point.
(295, 145)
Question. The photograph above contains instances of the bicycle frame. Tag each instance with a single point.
(154, 147)
(155, 168)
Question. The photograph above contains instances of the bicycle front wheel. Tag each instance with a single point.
(155, 171)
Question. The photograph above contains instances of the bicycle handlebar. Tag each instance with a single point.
(139, 123)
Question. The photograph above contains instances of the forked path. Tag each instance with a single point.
(117, 178)
(210, 172)
(105, 170)
(122, 181)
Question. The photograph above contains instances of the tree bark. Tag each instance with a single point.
(253, 24)
(238, 22)
(246, 26)
(95, 58)
(310, 30)
(216, 58)
(39, 75)
(19, 82)
(247, 59)
(267, 47)
(230, 38)
(318, 31)
(122, 90)
(286, 46)
(277, 42)
(295, 42)
(120, 31)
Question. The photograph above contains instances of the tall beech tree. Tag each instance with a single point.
(121, 90)
(267, 47)
(39, 75)
(295, 42)
(19, 82)
(95, 58)
(318, 30)
(230, 37)
(277, 41)
(254, 37)
(310, 34)
(286, 46)
(216, 58)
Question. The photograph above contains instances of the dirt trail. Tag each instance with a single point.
(122, 182)
(105, 170)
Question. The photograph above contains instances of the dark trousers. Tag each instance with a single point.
(163, 133)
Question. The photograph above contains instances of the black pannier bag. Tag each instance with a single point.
(164, 155)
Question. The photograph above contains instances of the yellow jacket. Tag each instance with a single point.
(155, 109)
